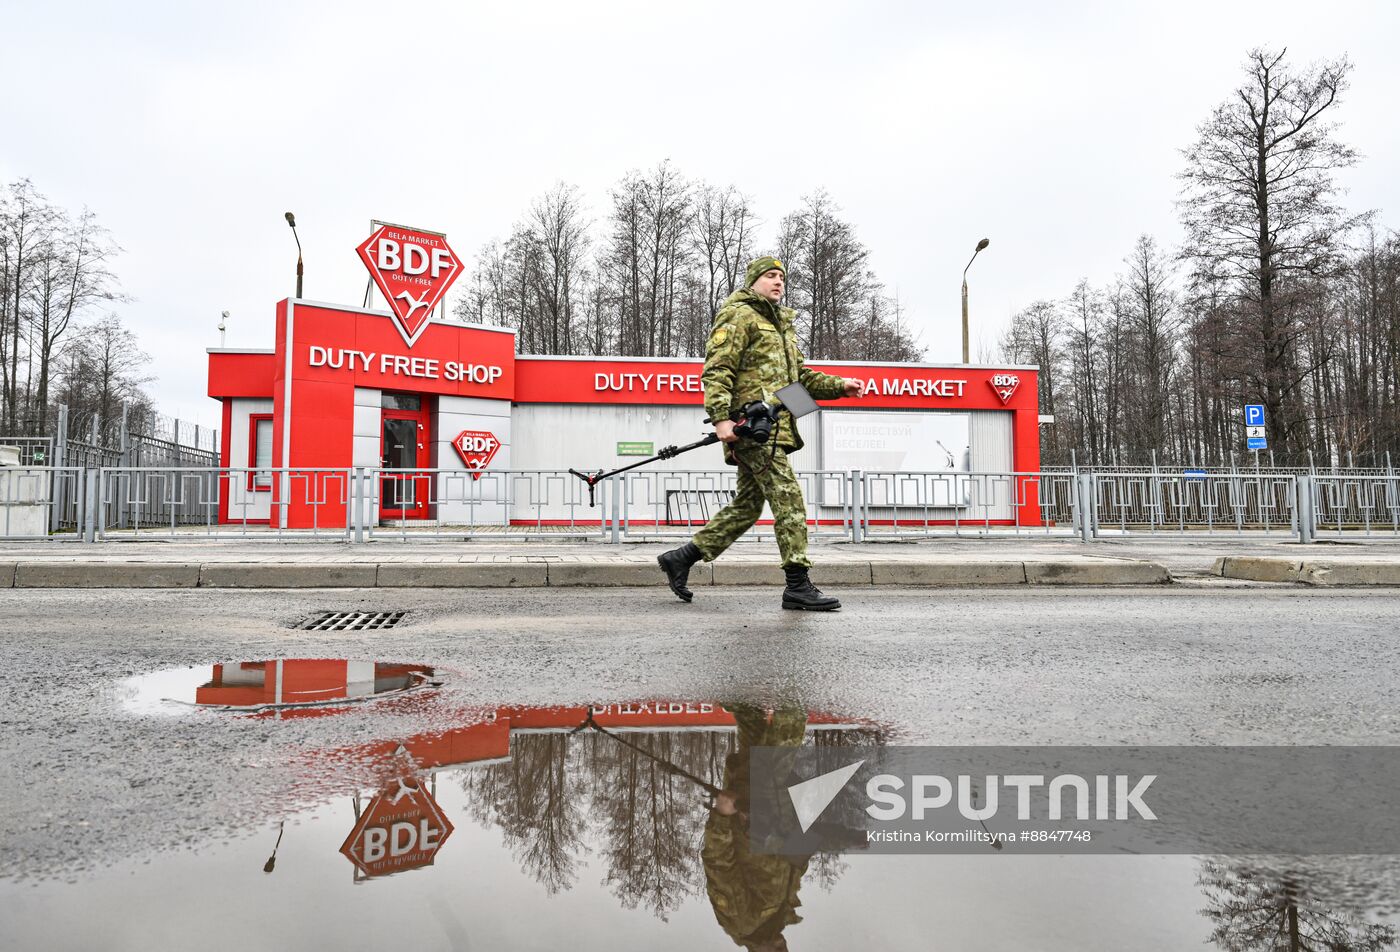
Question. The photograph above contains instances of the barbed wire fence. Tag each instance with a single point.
(134, 437)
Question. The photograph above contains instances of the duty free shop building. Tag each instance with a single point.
(341, 388)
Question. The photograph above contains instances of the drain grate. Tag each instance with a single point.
(351, 621)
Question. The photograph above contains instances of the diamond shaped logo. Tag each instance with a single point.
(413, 270)
(1005, 385)
(477, 449)
(401, 829)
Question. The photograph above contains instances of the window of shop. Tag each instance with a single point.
(260, 452)
(402, 401)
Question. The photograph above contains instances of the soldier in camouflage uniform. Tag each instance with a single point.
(751, 354)
(754, 895)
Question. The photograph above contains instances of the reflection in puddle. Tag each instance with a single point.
(624, 825)
(1300, 905)
(281, 685)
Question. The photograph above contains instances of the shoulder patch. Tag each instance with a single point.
(720, 335)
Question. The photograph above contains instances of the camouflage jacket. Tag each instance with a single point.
(751, 354)
(754, 895)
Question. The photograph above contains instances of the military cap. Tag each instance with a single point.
(759, 266)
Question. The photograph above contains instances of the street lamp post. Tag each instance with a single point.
(292, 220)
(223, 325)
(980, 245)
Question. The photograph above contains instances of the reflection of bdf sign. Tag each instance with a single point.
(413, 270)
(401, 829)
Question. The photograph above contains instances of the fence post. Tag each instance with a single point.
(1085, 495)
(857, 506)
(93, 501)
(357, 505)
(125, 447)
(616, 509)
(1158, 519)
(58, 493)
(1307, 524)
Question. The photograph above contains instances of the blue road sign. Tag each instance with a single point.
(1256, 443)
(1254, 414)
(1194, 475)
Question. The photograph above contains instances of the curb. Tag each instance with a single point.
(1317, 572)
(295, 575)
(106, 575)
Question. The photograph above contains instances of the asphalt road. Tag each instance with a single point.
(1176, 666)
(94, 783)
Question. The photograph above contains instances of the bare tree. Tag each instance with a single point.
(71, 278)
(28, 224)
(1152, 316)
(722, 231)
(828, 280)
(558, 229)
(1259, 206)
(101, 368)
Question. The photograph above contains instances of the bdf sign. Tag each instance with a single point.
(476, 448)
(413, 270)
(400, 830)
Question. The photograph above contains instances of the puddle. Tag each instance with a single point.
(288, 684)
(596, 827)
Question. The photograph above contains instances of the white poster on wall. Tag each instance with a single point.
(915, 458)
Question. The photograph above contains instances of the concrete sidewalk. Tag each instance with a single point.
(505, 563)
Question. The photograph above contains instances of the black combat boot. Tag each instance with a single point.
(676, 564)
(801, 593)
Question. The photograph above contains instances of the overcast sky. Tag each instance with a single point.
(1053, 129)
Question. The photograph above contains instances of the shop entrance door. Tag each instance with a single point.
(403, 448)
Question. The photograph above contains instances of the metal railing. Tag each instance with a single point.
(361, 504)
(42, 502)
(454, 504)
(1347, 507)
(923, 505)
(1198, 503)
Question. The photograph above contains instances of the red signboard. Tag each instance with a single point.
(401, 829)
(679, 382)
(477, 448)
(413, 270)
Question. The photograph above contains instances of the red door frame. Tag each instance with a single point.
(421, 482)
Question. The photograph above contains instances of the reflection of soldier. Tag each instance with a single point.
(751, 355)
(754, 895)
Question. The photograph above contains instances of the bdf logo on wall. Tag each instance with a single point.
(476, 448)
(413, 270)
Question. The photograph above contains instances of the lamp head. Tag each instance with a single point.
(291, 219)
(980, 245)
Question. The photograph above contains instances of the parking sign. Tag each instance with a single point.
(1254, 438)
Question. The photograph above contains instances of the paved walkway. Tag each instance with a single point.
(504, 562)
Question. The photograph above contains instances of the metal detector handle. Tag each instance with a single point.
(593, 479)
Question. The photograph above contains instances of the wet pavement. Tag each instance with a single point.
(189, 768)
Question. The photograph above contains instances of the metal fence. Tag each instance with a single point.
(361, 504)
(1342, 507)
(1209, 503)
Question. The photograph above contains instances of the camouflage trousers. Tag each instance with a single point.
(763, 474)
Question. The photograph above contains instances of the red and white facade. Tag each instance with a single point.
(346, 387)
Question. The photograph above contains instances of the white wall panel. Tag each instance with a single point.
(460, 498)
(244, 503)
